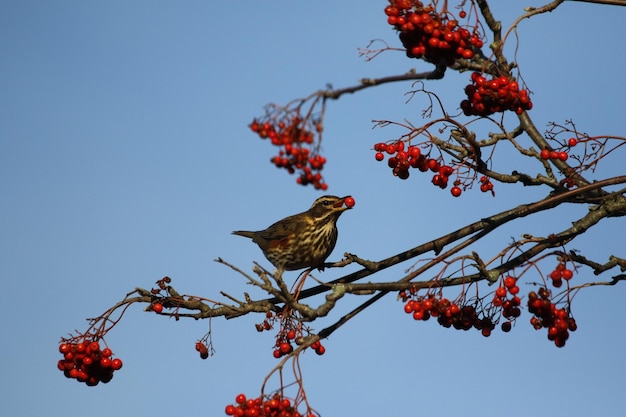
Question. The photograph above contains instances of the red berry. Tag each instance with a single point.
(456, 191)
(94, 346)
(349, 202)
(467, 54)
(414, 151)
(391, 11)
(157, 307)
(545, 154)
(379, 156)
(462, 14)
(572, 142)
(509, 282)
(116, 364)
(285, 348)
(408, 307)
(240, 399)
(446, 170)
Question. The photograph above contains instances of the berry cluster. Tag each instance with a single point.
(429, 34)
(486, 185)
(548, 154)
(401, 160)
(283, 344)
(485, 97)
(291, 331)
(449, 314)
(510, 305)
(546, 315)
(275, 406)
(559, 274)
(203, 349)
(84, 361)
(294, 139)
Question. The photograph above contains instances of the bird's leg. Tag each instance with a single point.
(300, 283)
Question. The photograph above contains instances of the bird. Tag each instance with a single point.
(303, 240)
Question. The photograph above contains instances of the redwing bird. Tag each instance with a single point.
(303, 240)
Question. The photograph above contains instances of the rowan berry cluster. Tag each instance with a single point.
(547, 154)
(291, 333)
(274, 406)
(448, 313)
(486, 185)
(84, 361)
(550, 154)
(488, 96)
(203, 349)
(295, 155)
(546, 315)
(560, 273)
(401, 160)
(506, 298)
(433, 35)
(284, 344)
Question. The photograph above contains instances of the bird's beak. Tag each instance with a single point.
(339, 204)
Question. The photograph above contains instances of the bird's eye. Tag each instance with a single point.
(326, 202)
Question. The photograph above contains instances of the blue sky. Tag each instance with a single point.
(125, 156)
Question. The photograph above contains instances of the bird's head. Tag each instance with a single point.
(330, 204)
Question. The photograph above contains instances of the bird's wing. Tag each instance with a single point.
(279, 230)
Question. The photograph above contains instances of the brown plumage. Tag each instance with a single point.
(303, 240)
